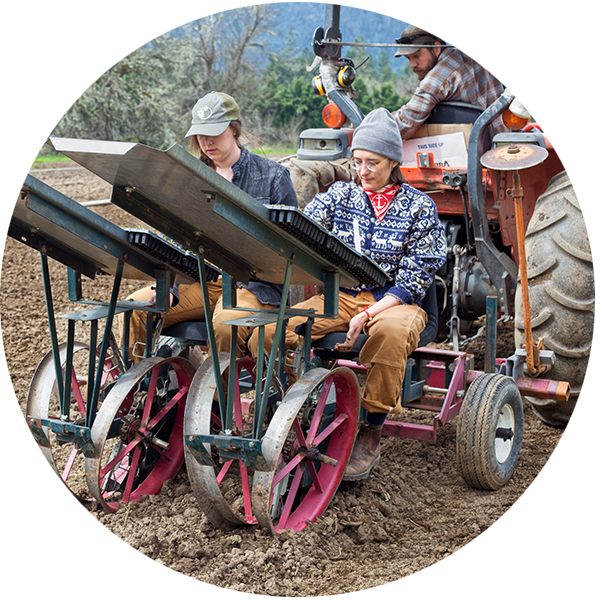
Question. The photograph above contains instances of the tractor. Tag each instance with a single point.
(509, 209)
(276, 460)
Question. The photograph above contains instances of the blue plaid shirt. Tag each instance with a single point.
(267, 182)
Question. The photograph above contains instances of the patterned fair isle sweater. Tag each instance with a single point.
(409, 244)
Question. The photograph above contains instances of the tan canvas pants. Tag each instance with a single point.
(223, 332)
(393, 335)
(189, 308)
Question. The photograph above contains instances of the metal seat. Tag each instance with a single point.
(457, 113)
(453, 113)
(189, 332)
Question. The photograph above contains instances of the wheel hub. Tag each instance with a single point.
(505, 428)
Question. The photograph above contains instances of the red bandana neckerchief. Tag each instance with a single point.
(381, 199)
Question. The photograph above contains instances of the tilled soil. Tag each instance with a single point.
(413, 512)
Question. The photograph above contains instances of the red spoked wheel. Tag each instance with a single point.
(307, 446)
(43, 403)
(223, 490)
(138, 432)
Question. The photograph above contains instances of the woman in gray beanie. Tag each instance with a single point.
(397, 226)
(379, 133)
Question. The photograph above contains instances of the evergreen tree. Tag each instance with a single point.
(148, 95)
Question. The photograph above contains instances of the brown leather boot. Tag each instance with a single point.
(366, 453)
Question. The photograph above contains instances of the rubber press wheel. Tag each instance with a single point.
(223, 490)
(307, 446)
(138, 432)
(490, 431)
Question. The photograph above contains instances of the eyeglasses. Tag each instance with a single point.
(425, 40)
(371, 165)
(409, 39)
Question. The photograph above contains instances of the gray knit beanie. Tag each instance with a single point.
(379, 133)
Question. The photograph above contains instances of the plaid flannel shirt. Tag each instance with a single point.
(267, 182)
(455, 77)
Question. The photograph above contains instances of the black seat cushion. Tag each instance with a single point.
(193, 332)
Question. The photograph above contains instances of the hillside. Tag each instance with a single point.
(302, 18)
(305, 17)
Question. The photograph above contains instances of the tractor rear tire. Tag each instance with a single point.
(561, 292)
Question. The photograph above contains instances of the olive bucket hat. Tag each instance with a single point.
(212, 114)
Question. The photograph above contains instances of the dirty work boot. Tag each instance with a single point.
(366, 453)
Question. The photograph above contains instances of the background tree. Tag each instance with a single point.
(147, 97)
(228, 47)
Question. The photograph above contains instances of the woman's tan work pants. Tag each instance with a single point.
(393, 335)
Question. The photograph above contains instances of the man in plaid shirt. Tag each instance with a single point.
(445, 74)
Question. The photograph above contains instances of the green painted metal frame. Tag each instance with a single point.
(81, 434)
(491, 333)
(61, 213)
(156, 216)
(249, 448)
(176, 194)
